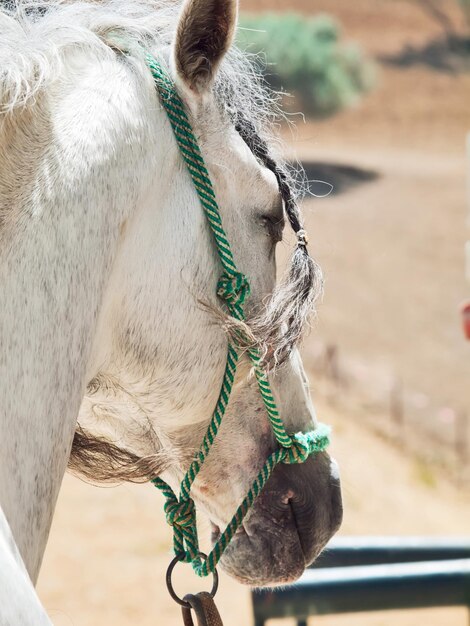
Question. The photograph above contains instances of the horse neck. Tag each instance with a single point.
(58, 239)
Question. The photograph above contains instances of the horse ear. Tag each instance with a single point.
(204, 34)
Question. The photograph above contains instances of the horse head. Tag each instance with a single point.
(110, 272)
(169, 346)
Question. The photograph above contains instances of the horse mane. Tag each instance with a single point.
(36, 36)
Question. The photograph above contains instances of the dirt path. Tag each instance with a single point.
(392, 250)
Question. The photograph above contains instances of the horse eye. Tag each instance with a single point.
(274, 225)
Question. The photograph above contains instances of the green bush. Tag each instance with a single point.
(305, 56)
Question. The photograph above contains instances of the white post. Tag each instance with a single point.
(467, 244)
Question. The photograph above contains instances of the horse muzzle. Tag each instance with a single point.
(291, 521)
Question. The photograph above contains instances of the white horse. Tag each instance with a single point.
(108, 277)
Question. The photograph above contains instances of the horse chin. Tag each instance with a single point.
(264, 556)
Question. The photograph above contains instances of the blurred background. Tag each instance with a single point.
(385, 89)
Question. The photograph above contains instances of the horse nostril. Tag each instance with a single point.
(287, 497)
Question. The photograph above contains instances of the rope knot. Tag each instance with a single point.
(233, 288)
(298, 451)
(180, 513)
(305, 444)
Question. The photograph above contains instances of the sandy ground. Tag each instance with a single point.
(392, 253)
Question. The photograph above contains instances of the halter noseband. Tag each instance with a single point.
(233, 287)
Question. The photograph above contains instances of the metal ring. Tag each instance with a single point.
(171, 591)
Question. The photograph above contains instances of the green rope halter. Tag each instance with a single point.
(233, 287)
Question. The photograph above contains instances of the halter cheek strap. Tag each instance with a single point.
(233, 288)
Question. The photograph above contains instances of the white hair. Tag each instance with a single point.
(36, 35)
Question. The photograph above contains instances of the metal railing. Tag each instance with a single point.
(373, 574)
